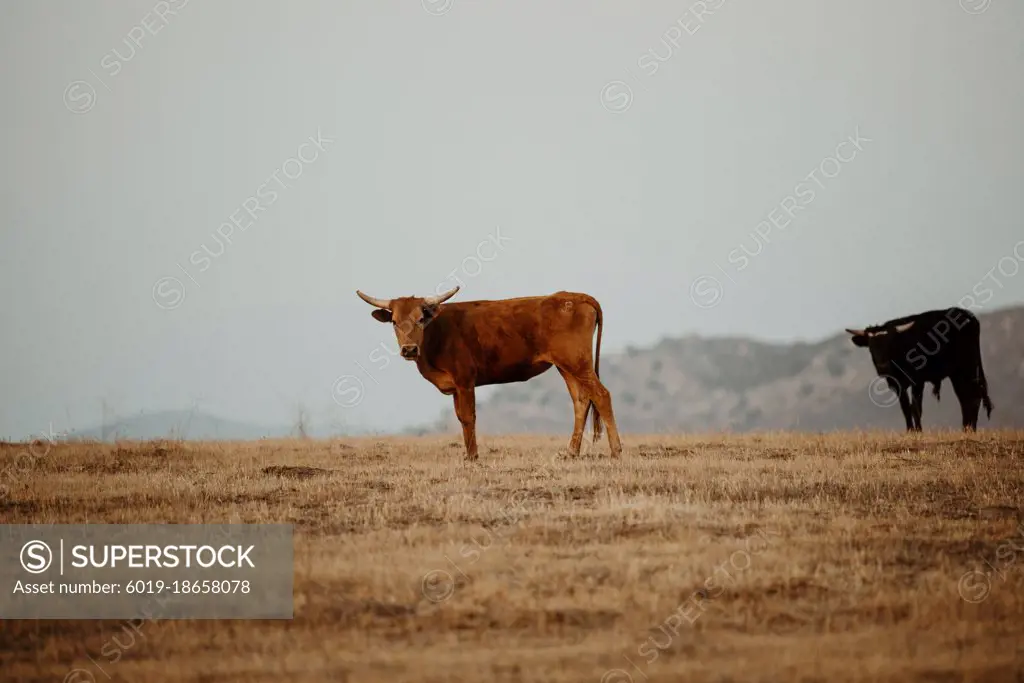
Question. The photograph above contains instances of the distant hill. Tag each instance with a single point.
(178, 424)
(739, 385)
(192, 425)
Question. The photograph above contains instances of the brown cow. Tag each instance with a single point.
(458, 347)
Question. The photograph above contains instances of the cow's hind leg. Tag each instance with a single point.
(465, 410)
(580, 403)
(602, 399)
(969, 394)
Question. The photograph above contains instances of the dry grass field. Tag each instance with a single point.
(771, 557)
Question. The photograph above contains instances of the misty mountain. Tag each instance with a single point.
(177, 424)
(194, 425)
(696, 384)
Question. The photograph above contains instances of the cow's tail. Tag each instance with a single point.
(597, 368)
(983, 386)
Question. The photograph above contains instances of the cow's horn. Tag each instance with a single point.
(379, 303)
(441, 298)
(904, 328)
(855, 333)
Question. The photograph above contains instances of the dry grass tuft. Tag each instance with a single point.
(767, 557)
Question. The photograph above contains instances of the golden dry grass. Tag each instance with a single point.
(821, 558)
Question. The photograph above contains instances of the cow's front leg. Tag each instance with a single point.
(465, 410)
(917, 398)
(906, 407)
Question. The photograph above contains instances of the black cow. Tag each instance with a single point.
(927, 348)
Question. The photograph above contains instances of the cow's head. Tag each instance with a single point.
(409, 315)
(881, 340)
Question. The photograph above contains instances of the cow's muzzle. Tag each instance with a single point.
(410, 352)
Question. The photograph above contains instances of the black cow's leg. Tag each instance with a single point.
(974, 405)
(908, 414)
(968, 393)
(918, 398)
(465, 410)
(579, 407)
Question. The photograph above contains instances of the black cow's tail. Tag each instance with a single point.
(983, 386)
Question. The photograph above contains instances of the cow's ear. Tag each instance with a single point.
(859, 338)
(430, 312)
(382, 315)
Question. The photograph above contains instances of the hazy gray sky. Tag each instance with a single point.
(134, 130)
